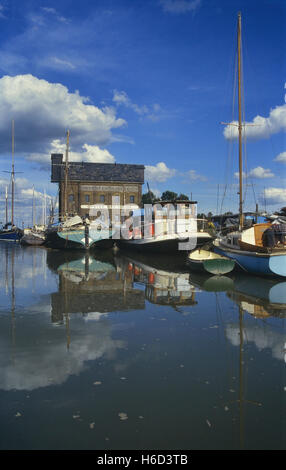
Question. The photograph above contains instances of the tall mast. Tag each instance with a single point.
(66, 177)
(239, 120)
(33, 211)
(13, 174)
(6, 200)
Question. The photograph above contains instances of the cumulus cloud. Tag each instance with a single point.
(274, 196)
(260, 127)
(180, 6)
(159, 172)
(90, 153)
(258, 172)
(281, 157)
(43, 111)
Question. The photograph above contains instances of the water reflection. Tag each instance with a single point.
(68, 319)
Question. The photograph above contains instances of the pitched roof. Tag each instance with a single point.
(96, 172)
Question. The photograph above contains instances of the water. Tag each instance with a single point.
(117, 352)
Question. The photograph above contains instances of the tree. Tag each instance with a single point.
(169, 196)
(183, 197)
(148, 198)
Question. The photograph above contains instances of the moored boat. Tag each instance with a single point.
(256, 249)
(162, 232)
(213, 263)
(10, 233)
(33, 237)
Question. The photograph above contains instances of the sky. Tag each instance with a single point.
(148, 82)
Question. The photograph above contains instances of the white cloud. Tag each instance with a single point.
(90, 153)
(260, 127)
(159, 172)
(274, 196)
(2, 8)
(180, 6)
(152, 112)
(43, 111)
(193, 175)
(281, 157)
(258, 172)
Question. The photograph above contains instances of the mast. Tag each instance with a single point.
(13, 174)
(6, 205)
(33, 211)
(239, 121)
(66, 177)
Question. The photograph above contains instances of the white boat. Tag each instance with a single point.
(164, 233)
(249, 248)
(33, 236)
(213, 263)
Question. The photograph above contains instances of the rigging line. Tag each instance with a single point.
(229, 167)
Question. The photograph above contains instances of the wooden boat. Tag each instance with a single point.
(205, 260)
(75, 234)
(9, 231)
(33, 237)
(246, 247)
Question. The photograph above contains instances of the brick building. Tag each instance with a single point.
(95, 183)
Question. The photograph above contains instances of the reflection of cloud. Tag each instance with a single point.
(262, 338)
(48, 364)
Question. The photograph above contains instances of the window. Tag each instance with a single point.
(71, 197)
(101, 198)
(132, 199)
(87, 198)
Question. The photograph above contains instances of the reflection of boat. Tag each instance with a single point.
(211, 283)
(209, 261)
(85, 268)
(92, 285)
(165, 286)
(258, 296)
(247, 246)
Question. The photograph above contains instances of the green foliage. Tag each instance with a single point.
(169, 196)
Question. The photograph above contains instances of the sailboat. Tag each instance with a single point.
(37, 234)
(254, 249)
(73, 232)
(9, 232)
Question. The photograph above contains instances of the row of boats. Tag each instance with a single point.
(259, 249)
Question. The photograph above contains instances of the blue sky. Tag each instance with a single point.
(145, 82)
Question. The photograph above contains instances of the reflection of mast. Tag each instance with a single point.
(66, 316)
(13, 296)
(241, 400)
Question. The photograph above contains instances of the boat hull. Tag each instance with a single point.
(161, 244)
(75, 239)
(213, 263)
(10, 236)
(263, 264)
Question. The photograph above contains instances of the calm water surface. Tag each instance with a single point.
(124, 352)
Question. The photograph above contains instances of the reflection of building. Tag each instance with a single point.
(88, 286)
(96, 183)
